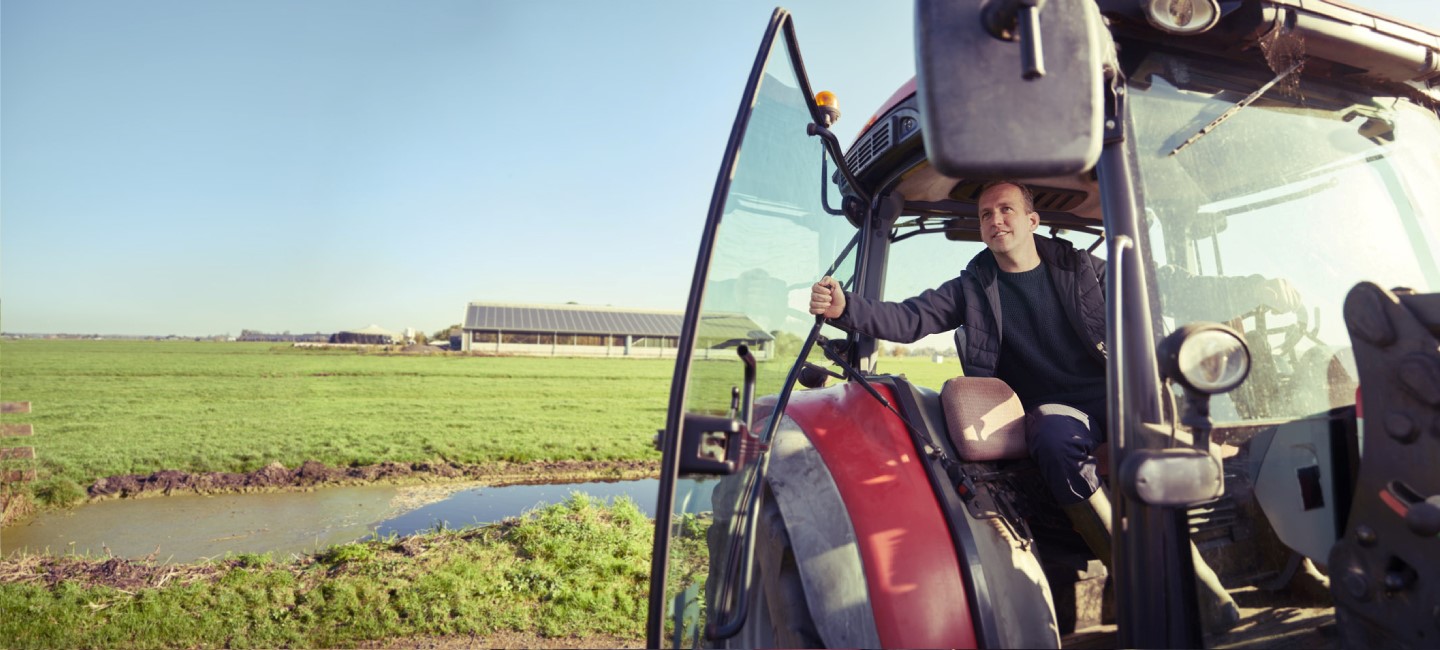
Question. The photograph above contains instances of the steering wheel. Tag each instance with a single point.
(1292, 334)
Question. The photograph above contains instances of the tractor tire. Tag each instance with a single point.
(779, 614)
(808, 588)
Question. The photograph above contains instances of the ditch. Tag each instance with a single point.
(188, 528)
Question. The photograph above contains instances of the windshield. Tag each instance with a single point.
(916, 263)
(776, 237)
(1266, 222)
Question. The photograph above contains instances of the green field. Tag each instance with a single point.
(920, 370)
(105, 408)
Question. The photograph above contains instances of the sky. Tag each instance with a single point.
(198, 168)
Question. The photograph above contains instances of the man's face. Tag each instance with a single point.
(1005, 226)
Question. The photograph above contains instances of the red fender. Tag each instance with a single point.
(916, 585)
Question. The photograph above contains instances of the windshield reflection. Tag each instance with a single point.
(774, 241)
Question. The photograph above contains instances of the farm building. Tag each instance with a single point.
(572, 330)
(372, 335)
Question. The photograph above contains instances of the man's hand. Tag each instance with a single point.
(1280, 296)
(827, 298)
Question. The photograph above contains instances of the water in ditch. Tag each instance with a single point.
(191, 527)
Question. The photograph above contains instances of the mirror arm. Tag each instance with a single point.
(1197, 417)
(1019, 20)
(833, 145)
(824, 179)
(1032, 52)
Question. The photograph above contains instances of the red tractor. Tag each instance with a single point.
(1201, 148)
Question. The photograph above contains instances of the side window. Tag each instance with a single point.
(916, 264)
(925, 262)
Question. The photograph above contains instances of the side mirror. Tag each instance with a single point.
(998, 100)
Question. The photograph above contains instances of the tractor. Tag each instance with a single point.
(810, 497)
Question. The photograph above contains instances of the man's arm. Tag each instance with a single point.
(934, 311)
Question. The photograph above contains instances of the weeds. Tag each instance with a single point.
(347, 553)
(58, 492)
(253, 560)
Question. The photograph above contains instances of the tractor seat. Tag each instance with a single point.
(987, 422)
(985, 419)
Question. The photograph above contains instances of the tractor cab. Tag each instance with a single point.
(1261, 180)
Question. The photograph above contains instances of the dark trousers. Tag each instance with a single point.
(1062, 440)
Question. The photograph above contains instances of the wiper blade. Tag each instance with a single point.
(1238, 105)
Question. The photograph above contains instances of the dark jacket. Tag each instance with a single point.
(973, 301)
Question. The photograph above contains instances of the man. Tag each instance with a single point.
(1034, 316)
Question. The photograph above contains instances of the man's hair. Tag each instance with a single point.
(1024, 191)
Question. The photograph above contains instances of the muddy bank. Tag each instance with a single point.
(311, 474)
(505, 639)
(116, 573)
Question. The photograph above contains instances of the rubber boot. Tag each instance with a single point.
(1092, 519)
(1218, 611)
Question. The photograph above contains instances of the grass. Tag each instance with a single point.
(921, 371)
(103, 408)
(576, 569)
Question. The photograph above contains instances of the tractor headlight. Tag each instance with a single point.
(1182, 17)
(1208, 358)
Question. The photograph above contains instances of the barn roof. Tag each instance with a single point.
(722, 330)
(604, 320)
(572, 319)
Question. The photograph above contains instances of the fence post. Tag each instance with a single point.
(9, 476)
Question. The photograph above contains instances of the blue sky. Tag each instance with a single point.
(202, 167)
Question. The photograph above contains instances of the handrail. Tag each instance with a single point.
(1116, 335)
